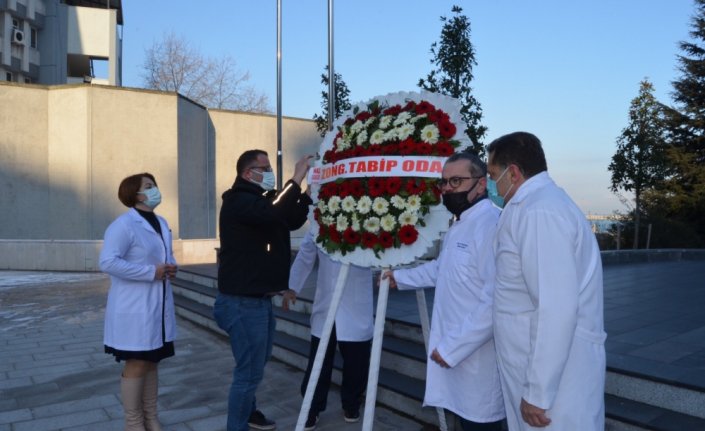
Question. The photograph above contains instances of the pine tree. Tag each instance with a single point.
(639, 162)
(683, 199)
(454, 58)
(342, 102)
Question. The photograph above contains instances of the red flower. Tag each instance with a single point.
(344, 189)
(334, 234)
(409, 106)
(386, 239)
(424, 148)
(356, 188)
(317, 215)
(408, 234)
(362, 116)
(444, 148)
(374, 150)
(376, 186)
(393, 185)
(424, 107)
(446, 129)
(392, 110)
(390, 149)
(415, 187)
(369, 239)
(329, 190)
(407, 147)
(350, 236)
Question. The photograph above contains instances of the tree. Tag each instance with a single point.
(173, 65)
(639, 163)
(342, 103)
(683, 197)
(454, 58)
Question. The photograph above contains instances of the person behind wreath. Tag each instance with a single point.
(140, 323)
(255, 256)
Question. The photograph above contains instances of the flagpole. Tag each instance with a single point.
(331, 69)
(279, 95)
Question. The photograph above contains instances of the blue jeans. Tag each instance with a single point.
(250, 324)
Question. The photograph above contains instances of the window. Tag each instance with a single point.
(27, 80)
(33, 37)
(8, 76)
(16, 24)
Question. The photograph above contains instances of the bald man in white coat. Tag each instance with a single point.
(352, 330)
(462, 374)
(548, 316)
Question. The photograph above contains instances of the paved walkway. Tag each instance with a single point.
(55, 376)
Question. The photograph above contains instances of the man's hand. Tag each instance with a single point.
(288, 296)
(437, 358)
(390, 276)
(534, 416)
(301, 169)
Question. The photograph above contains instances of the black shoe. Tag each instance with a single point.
(258, 421)
(351, 416)
(311, 423)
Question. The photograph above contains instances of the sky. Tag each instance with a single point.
(563, 70)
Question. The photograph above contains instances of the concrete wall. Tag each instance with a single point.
(65, 149)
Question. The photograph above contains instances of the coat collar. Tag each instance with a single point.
(529, 186)
(137, 218)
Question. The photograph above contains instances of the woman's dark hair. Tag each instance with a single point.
(519, 148)
(127, 192)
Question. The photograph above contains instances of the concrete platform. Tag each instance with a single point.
(55, 376)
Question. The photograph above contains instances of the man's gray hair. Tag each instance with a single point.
(478, 168)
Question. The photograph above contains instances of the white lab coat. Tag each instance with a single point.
(354, 319)
(133, 315)
(461, 326)
(548, 310)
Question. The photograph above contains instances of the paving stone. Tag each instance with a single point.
(10, 416)
(63, 421)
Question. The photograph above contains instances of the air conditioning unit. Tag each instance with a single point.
(17, 36)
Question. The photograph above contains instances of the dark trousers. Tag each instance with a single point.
(467, 425)
(356, 364)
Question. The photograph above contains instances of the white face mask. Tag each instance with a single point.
(504, 196)
(268, 180)
(154, 197)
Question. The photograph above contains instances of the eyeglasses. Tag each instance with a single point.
(262, 168)
(453, 181)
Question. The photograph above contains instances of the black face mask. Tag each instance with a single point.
(457, 202)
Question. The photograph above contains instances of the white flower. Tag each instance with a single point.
(413, 203)
(372, 225)
(398, 202)
(327, 220)
(355, 223)
(341, 223)
(348, 204)
(343, 144)
(334, 204)
(403, 117)
(377, 137)
(356, 127)
(404, 131)
(388, 222)
(408, 217)
(385, 122)
(430, 134)
(362, 137)
(380, 206)
(390, 135)
(364, 205)
(417, 118)
(322, 206)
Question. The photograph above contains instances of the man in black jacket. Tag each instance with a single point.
(255, 256)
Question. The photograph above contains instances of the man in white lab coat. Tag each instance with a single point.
(352, 330)
(548, 312)
(462, 375)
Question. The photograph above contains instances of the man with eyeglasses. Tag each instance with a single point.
(255, 255)
(548, 310)
(462, 376)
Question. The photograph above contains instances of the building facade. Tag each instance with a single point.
(61, 41)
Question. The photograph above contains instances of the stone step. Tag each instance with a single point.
(633, 401)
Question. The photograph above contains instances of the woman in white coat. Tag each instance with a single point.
(353, 328)
(139, 317)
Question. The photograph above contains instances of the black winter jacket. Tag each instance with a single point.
(255, 247)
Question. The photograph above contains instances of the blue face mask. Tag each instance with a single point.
(154, 197)
(493, 194)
